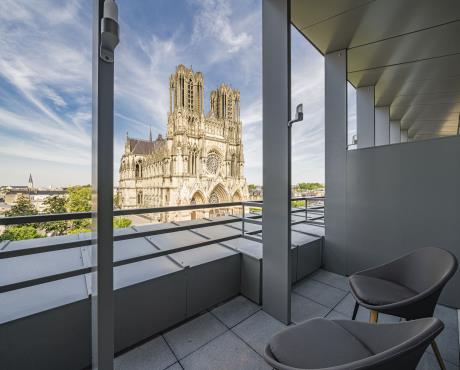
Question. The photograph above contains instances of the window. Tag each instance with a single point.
(190, 94)
(213, 163)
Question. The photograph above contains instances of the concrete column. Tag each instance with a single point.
(404, 136)
(336, 159)
(382, 125)
(276, 222)
(395, 132)
(365, 116)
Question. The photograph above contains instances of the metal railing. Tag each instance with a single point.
(20, 220)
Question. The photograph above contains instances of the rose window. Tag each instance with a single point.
(213, 163)
(214, 198)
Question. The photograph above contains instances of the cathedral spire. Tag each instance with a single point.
(150, 134)
(31, 182)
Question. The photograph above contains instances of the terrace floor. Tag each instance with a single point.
(233, 334)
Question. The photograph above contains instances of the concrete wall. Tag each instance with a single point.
(399, 198)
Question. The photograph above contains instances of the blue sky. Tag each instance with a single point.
(45, 81)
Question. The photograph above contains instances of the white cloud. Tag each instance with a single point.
(214, 23)
(45, 55)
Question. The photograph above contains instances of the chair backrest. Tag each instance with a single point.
(425, 269)
(393, 346)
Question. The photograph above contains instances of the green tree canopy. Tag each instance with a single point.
(20, 233)
(79, 200)
(23, 207)
(121, 222)
(55, 204)
(310, 186)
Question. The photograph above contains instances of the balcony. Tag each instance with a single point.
(163, 320)
(233, 335)
(164, 274)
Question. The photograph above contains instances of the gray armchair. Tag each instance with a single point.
(408, 287)
(351, 345)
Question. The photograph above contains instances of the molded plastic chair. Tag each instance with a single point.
(408, 287)
(351, 345)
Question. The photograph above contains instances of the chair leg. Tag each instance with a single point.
(374, 317)
(355, 311)
(442, 366)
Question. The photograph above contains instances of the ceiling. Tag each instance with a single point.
(408, 49)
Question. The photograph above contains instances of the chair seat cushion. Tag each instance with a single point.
(378, 292)
(317, 343)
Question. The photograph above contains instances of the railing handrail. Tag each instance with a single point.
(136, 234)
(48, 217)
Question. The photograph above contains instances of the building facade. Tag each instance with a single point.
(200, 160)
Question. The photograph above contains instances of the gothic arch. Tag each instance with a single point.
(198, 198)
(237, 197)
(138, 169)
(218, 194)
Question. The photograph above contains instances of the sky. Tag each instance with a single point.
(45, 82)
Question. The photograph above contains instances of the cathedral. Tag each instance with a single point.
(200, 159)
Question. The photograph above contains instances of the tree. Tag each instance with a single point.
(23, 207)
(252, 187)
(310, 186)
(20, 233)
(121, 222)
(116, 201)
(55, 204)
(79, 200)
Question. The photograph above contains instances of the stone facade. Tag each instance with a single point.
(201, 158)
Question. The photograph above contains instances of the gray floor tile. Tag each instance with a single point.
(319, 292)
(258, 329)
(176, 366)
(235, 311)
(448, 345)
(304, 309)
(447, 315)
(429, 362)
(225, 352)
(331, 278)
(193, 334)
(153, 355)
(335, 315)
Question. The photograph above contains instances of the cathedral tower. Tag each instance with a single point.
(201, 158)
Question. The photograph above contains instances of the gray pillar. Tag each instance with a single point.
(276, 112)
(336, 159)
(365, 120)
(404, 135)
(395, 132)
(102, 194)
(382, 125)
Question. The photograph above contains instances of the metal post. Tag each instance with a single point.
(276, 220)
(306, 209)
(102, 312)
(242, 223)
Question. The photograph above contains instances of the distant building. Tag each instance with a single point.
(10, 195)
(200, 160)
(256, 192)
